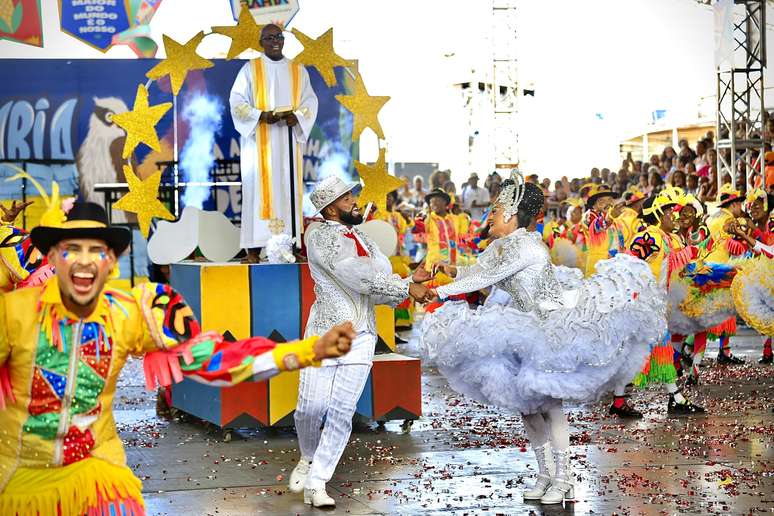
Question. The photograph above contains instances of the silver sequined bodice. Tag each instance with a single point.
(519, 264)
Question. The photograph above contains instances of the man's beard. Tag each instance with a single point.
(350, 219)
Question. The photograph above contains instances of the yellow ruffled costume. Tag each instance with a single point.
(753, 291)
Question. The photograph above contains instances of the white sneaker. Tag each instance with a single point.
(539, 489)
(298, 476)
(560, 491)
(317, 497)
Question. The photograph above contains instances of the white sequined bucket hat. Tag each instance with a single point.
(327, 191)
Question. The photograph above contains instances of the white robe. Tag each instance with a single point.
(275, 91)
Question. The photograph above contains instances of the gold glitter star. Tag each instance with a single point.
(180, 60)
(364, 109)
(142, 199)
(244, 35)
(320, 54)
(377, 183)
(140, 122)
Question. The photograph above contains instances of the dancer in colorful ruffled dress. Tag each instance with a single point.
(753, 287)
(62, 347)
(700, 298)
(692, 231)
(665, 255)
(559, 337)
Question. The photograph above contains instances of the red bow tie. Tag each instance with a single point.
(361, 251)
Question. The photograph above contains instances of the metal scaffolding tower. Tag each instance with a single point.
(740, 108)
(505, 80)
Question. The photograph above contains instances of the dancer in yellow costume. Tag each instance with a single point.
(725, 247)
(753, 286)
(437, 230)
(628, 221)
(62, 347)
(465, 246)
(663, 252)
(604, 238)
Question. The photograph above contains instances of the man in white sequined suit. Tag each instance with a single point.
(351, 276)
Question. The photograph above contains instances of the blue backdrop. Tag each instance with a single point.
(60, 109)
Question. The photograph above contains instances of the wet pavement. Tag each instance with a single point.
(466, 458)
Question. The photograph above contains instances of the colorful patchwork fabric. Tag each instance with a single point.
(644, 246)
(169, 319)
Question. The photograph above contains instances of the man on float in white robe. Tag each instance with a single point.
(262, 86)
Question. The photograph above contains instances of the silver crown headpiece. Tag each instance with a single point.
(511, 196)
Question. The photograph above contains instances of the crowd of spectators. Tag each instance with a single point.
(692, 168)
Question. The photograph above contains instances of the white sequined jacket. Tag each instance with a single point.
(348, 286)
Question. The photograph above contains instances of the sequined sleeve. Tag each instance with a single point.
(495, 264)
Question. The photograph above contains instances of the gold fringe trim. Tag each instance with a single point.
(74, 489)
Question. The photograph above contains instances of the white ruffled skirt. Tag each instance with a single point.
(518, 360)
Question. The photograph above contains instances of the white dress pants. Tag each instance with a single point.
(331, 392)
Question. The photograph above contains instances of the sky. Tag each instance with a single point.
(598, 68)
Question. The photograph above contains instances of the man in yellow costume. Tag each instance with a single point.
(62, 347)
(603, 237)
(724, 248)
(628, 221)
(270, 95)
(438, 230)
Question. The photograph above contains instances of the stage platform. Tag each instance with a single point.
(273, 300)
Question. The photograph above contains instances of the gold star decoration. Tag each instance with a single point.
(377, 182)
(364, 108)
(140, 122)
(244, 35)
(320, 54)
(142, 199)
(180, 60)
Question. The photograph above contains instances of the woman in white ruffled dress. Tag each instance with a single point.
(557, 337)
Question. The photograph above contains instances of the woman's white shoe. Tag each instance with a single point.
(539, 489)
(560, 491)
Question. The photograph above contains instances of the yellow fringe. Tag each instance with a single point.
(74, 488)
